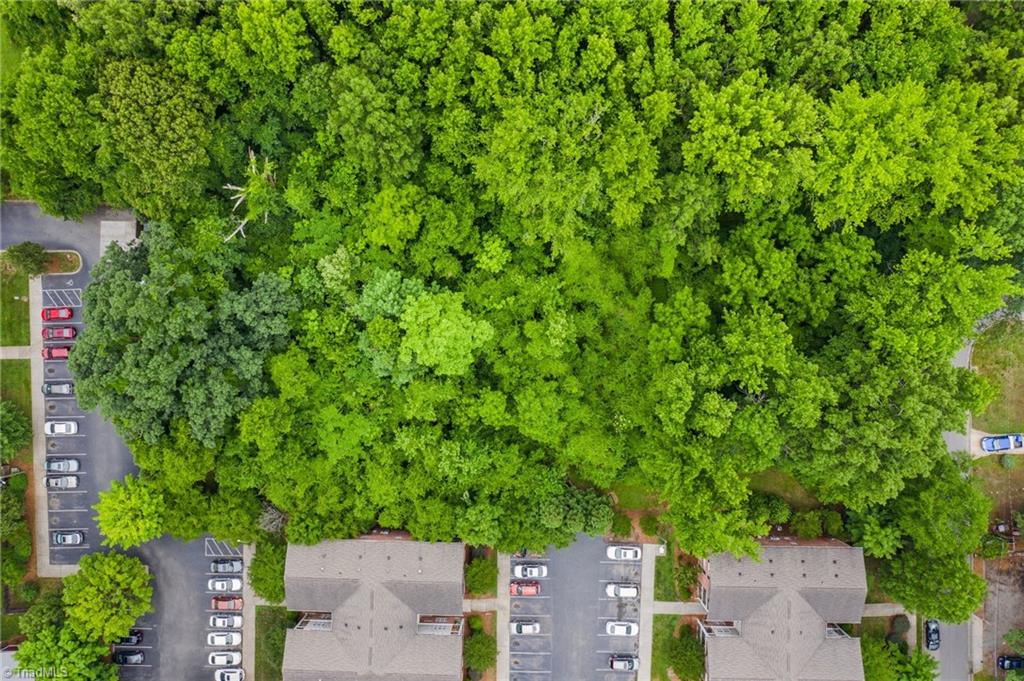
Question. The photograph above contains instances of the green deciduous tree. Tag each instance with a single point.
(130, 513)
(106, 596)
(15, 430)
(266, 570)
(62, 648)
(28, 256)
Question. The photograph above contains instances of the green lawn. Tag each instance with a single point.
(664, 631)
(875, 593)
(999, 356)
(271, 624)
(1004, 486)
(782, 484)
(13, 307)
(635, 493)
(16, 382)
(684, 656)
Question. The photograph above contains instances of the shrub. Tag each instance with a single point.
(482, 576)
(481, 651)
(622, 526)
(27, 592)
(28, 256)
(1009, 461)
(833, 522)
(476, 623)
(15, 431)
(266, 570)
(686, 577)
(686, 657)
(649, 524)
(900, 624)
(898, 641)
(993, 547)
(806, 524)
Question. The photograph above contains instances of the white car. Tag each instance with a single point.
(62, 465)
(229, 675)
(225, 658)
(622, 629)
(524, 627)
(58, 428)
(623, 663)
(622, 590)
(226, 621)
(223, 638)
(233, 584)
(529, 571)
(62, 482)
(623, 552)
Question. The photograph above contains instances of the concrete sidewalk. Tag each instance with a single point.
(647, 563)
(479, 604)
(678, 608)
(249, 602)
(504, 615)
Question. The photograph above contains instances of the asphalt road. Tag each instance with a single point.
(175, 632)
(573, 611)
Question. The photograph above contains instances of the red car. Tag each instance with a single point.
(226, 603)
(524, 588)
(56, 352)
(59, 332)
(51, 313)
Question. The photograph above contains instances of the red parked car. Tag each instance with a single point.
(226, 603)
(59, 332)
(524, 588)
(56, 352)
(59, 313)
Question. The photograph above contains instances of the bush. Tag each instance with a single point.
(46, 612)
(266, 570)
(833, 522)
(1009, 461)
(476, 623)
(993, 547)
(482, 576)
(481, 651)
(622, 526)
(28, 256)
(900, 624)
(686, 657)
(15, 431)
(649, 524)
(806, 524)
(686, 577)
(27, 592)
(898, 641)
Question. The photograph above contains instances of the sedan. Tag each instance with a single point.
(931, 634)
(61, 465)
(58, 428)
(622, 590)
(623, 663)
(226, 621)
(130, 657)
(58, 313)
(62, 482)
(229, 675)
(530, 571)
(225, 658)
(226, 565)
(226, 603)
(1010, 662)
(133, 638)
(59, 333)
(56, 352)
(67, 538)
(233, 584)
(223, 638)
(623, 552)
(1003, 443)
(58, 388)
(524, 627)
(524, 588)
(622, 629)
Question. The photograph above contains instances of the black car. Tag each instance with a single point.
(1010, 662)
(931, 634)
(133, 638)
(130, 657)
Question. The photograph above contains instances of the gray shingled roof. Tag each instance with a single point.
(374, 589)
(781, 605)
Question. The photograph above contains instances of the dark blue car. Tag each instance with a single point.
(1003, 443)
(1010, 662)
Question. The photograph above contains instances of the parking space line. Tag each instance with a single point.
(69, 510)
(77, 547)
(67, 491)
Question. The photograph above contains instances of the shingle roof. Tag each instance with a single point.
(374, 589)
(781, 605)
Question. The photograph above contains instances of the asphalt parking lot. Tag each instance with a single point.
(573, 611)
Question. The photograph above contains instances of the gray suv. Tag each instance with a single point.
(58, 388)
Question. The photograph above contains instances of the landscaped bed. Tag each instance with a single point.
(675, 647)
(63, 262)
(999, 356)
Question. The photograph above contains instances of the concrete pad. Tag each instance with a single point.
(504, 615)
(647, 563)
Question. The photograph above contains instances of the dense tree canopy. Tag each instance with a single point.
(500, 254)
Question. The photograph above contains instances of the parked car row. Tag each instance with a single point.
(57, 333)
(130, 657)
(59, 471)
(226, 626)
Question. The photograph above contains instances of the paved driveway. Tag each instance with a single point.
(573, 610)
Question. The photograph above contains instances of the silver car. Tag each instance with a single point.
(226, 621)
(62, 482)
(58, 388)
(225, 658)
(62, 465)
